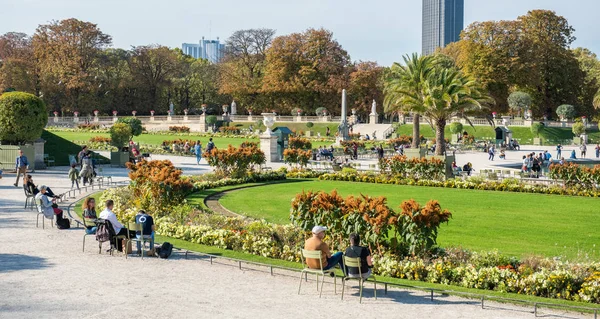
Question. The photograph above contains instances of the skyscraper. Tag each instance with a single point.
(443, 21)
(212, 50)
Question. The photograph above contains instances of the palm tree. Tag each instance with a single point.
(448, 93)
(597, 100)
(404, 87)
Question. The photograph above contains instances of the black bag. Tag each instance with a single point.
(63, 223)
(165, 250)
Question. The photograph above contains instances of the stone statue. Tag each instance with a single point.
(268, 121)
(374, 108)
(233, 108)
(343, 127)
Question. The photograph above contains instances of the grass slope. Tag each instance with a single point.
(59, 147)
(514, 223)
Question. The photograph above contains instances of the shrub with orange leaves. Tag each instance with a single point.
(235, 162)
(158, 185)
(418, 226)
(412, 231)
(299, 143)
(297, 156)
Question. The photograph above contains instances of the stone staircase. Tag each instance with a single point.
(379, 131)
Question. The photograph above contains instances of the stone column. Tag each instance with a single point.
(203, 126)
(38, 146)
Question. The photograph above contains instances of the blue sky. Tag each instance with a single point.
(375, 30)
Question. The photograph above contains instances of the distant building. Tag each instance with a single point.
(212, 50)
(443, 21)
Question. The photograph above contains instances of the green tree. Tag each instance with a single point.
(597, 100)
(403, 88)
(519, 101)
(23, 117)
(134, 124)
(566, 111)
(578, 128)
(119, 135)
(456, 128)
(448, 93)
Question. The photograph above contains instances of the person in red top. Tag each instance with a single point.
(316, 243)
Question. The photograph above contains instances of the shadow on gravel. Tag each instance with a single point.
(16, 262)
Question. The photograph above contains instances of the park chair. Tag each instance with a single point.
(49, 160)
(38, 206)
(88, 222)
(315, 254)
(101, 178)
(29, 197)
(355, 263)
(372, 167)
(143, 238)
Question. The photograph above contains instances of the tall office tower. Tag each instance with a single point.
(211, 50)
(443, 21)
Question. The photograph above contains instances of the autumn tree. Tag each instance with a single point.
(366, 85)
(242, 69)
(67, 53)
(306, 70)
(17, 64)
(153, 68)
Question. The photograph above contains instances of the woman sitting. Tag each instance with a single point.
(89, 213)
(357, 251)
(45, 205)
(30, 187)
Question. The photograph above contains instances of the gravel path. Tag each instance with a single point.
(44, 274)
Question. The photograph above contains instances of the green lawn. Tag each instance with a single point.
(298, 126)
(157, 139)
(514, 223)
(60, 147)
(523, 134)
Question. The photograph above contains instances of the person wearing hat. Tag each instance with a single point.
(316, 243)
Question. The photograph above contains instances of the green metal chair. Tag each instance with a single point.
(316, 254)
(143, 239)
(88, 222)
(355, 263)
(38, 207)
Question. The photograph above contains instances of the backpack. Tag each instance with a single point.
(103, 232)
(63, 223)
(165, 250)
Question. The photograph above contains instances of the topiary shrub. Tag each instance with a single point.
(320, 111)
(578, 129)
(119, 135)
(310, 124)
(566, 111)
(455, 128)
(134, 123)
(537, 128)
(22, 117)
(519, 101)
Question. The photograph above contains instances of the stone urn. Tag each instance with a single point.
(269, 121)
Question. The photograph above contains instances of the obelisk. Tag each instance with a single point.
(343, 127)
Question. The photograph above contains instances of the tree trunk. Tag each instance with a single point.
(440, 142)
(416, 142)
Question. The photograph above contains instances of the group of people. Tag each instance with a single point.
(190, 148)
(330, 260)
(534, 164)
(147, 222)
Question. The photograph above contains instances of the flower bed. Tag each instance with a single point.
(179, 129)
(506, 185)
(400, 166)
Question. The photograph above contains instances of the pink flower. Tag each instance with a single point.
(55, 113)
(115, 112)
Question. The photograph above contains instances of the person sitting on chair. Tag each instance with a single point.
(316, 243)
(45, 205)
(357, 251)
(89, 212)
(30, 187)
(148, 228)
(119, 229)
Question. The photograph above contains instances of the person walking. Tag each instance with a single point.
(583, 149)
(559, 151)
(198, 151)
(21, 165)
(491, 153)
(210, 146)
(74, 175)
(87, 170)
(597, 150)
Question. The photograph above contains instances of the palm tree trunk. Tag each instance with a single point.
(440, 142)
(416, 142)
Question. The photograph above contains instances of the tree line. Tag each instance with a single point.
(72, 66)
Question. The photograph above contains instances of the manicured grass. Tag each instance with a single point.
(157, 139)
(317, 127)
(522, 134)
(515, 223)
